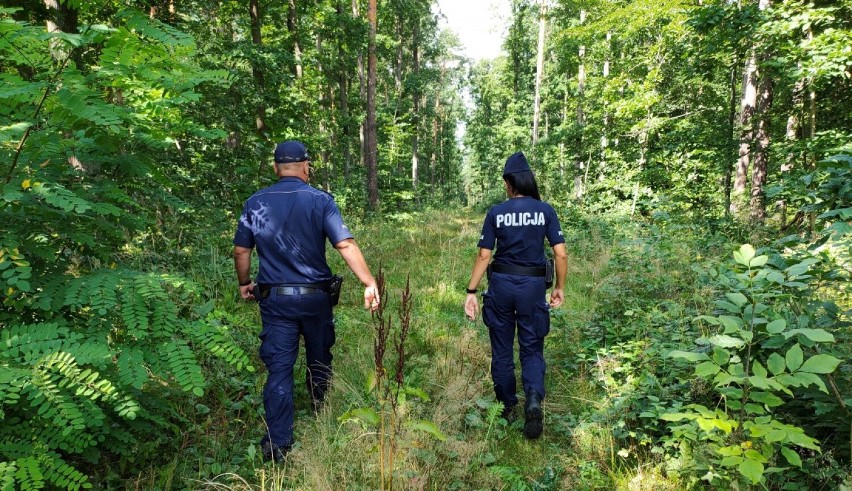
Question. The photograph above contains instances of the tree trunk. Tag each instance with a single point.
(605, 127)
(761, 154)
(362, 90)
(581, 119)
(732, 128)
(343, 89)
(64, 20)
(539, 72)
(747, 110)
(415, 96)
(256, 71)
(293, 28)
(370, 143)
(794, 126)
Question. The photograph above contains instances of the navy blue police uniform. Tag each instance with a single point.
(517, 301)
(288, 224)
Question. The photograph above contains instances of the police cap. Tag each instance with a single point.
(516, 163)
(291, 151)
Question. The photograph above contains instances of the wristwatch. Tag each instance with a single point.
(472, 290)
(246, 283)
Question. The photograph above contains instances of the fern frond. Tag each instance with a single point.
(184, 367)
(60, 474)
(134, 313)
(218, 341)
(29, 475)
(7, 476)
(131, 368)
(84, 381)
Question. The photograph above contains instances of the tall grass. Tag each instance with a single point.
(448, 358)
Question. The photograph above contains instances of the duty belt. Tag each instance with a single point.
(518, 270)
(294, 288)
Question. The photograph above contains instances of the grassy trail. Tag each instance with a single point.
(448, 359)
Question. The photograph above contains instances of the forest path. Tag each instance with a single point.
(448, 358)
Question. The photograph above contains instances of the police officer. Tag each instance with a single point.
(515, 299)
(288, 223)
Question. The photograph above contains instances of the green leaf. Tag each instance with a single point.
(731, 461)
(775, 363)
(776, 435)
(676, 416)
(732, 324)
(775, 277)
(815, 335)
(706, 369)
(755, 456)
(801, 439)
(770, 400)
(728, 306)
(738, 298)
(758, 369)
(708, 319)
(721, 356)
(800, 268)
(820, 364)
(367, 415)
(776, 326)
(752, 470)
(744, 255)
(428, 427)
(794, 357)
(807, 379)
(689, 355)
(730, 451)
(760, 382)
(758, 262)
(726, 341)
(791, 456)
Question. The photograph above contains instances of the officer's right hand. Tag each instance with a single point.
(246, 291)
(371, 298)
(471, 306)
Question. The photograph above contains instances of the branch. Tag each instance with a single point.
(47, 90)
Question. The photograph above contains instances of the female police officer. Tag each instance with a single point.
(516, 288)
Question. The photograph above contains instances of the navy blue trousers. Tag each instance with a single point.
(285, 319)
(516, 303)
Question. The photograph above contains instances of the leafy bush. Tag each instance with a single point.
(763, 347)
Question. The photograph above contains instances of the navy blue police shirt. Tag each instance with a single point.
(519, 226)
(288, 223)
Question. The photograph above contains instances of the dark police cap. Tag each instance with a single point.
(291, 151)
(516, 163)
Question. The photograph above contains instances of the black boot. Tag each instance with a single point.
(274, 453)
(533, 416)
(508, 413)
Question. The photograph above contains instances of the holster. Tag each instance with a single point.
(549, 272)
(334, 289)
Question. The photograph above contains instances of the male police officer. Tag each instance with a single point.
(289, 222)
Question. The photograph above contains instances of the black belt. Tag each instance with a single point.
(518, 270)
(295, 289)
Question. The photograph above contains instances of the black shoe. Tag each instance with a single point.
(508, 413)
(533, 416)
(274, 453)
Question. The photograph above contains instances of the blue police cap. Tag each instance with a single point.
(291, 151)
(516, 163)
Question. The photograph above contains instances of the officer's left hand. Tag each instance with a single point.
(557, 296)
(471, 306)
(246, 291)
